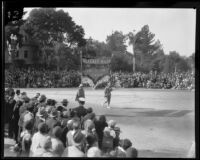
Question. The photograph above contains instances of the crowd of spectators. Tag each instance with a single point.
(43, 127)
(43, 78)
(155, 80)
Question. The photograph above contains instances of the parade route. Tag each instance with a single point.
(160, 123)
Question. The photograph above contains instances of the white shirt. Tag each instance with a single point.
(36, 140)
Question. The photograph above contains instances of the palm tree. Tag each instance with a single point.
(132, 41)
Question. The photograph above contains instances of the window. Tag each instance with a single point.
(25, 54)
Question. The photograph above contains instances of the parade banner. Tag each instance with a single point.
(96, 68)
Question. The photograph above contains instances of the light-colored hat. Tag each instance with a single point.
(81, 85)
(112, 123)
(81, 99)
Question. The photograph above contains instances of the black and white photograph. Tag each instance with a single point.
(99, 82)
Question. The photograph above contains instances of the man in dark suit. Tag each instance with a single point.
(81, 110)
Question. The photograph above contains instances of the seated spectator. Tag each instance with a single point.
(57, 145)
(77, 149)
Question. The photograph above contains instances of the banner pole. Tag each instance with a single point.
(81, 66)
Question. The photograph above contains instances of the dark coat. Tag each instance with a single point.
(81, 111)
(52, 122)
(80, 93)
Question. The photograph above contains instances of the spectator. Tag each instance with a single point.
(81, 110)
(93, 149)
(39, 138)
(77, 149)
(57, 145)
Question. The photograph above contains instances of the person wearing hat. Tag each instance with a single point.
(80, 93)
(107, 95)
(40, 117)
(81, 110)
(116, 140)
(65, 102)
(52, 121)
(77, 149)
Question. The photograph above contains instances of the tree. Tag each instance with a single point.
(132, 41)
(52, 29)
(116, 42)
(146, 45)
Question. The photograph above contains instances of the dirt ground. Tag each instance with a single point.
(160, 123)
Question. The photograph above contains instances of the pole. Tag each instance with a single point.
(81, 66)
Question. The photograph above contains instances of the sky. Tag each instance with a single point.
(175, 28)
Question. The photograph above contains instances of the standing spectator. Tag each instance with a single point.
(15, 119)
(25, 137)
(100, 125)
(52, 120)
(93, 149)
(10, 105)
(77, 149)
(57, 145)
(39, 138)
(70, 133)
(44, 150)
(80, 93)
(65, 103)
(17, 95)
(81, 110)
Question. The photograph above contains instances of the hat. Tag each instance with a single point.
(70, 123)
(48, 102)
(54, 113)
(42, 98)
(89, 110)
(81, 99)
(131, 152)
(25, 99)
(117, 129)
(57, 132)
(126, 143)
(78, 137)
(94, 152)
(65, 101)
(112, 123)
(81, 85)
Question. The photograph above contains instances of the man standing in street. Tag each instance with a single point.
(107, 95)
(80, 93)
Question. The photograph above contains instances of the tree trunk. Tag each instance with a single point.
(133, 59)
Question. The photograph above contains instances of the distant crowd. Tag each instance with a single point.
(42, 127)
(155, 80)
(43, 78)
